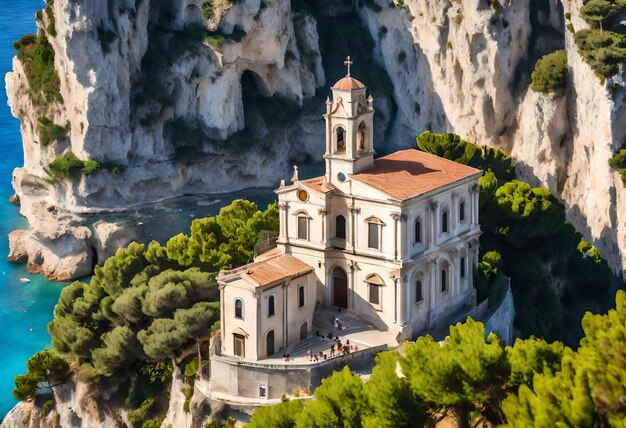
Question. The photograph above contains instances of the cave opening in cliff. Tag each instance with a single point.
(253, 90)
(192, 14)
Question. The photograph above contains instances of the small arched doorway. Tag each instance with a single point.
(304, 331)
(340, 288)
(269, 343)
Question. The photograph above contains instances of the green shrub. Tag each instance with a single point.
(192, 368)
(37, 58)
(216, 41)
(550, 72)
(207, 10)
(159, 372)
(618, 163)
(51, 27)
(63, 167)
(138, 415)
(570, 27)
(604, 51)
(49, 131)
(47, 407)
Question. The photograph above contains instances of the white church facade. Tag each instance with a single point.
(392, 239)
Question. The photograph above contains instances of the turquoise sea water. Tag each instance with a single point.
(24, 306)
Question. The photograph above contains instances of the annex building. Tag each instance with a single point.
(391, 241)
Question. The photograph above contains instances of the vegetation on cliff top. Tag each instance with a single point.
(603, 50)
(474, 379)
(517, 222)
(550, 73)
(37, 58)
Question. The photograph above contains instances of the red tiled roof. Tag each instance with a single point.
(317, 184)
(271, 270)
(409, 173)
(348, 83)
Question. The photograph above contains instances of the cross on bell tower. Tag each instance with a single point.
(349, 129)
(348, 62)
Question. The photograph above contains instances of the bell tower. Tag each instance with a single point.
(349, 129)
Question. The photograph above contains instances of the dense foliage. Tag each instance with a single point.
(45, 370)
(618, 163)
(37, 58)
(518, 222)
(473, 378)
(65, 166)
(550, 72)
(50, 131)
(149, 303)
(604, 51)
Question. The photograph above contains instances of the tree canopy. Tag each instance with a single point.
(517, 221)
(45, 370)
(470, 377)
(146, 304)
(550, 72)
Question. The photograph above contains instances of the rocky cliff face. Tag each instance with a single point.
(166, 112)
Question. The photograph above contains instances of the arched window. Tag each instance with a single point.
(303, 227)
(301, 296)
(462, 267)
(419, 294)
(374, 285)
(239, 308)
(445, 277)
(271, 307)
(462, 211)
(418, 230)
(360, 137)
(444, 220)
(340, 227)
(340, 139)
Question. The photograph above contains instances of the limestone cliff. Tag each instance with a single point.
(167, 109)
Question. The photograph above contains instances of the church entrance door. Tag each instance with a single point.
(340, 288)
(270, 343)
(239, 345)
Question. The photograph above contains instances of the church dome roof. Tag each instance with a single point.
(348, 84)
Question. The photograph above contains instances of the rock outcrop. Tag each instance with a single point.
(165, 112)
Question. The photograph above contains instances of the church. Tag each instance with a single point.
(392, 239)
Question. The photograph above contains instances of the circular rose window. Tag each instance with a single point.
(303, 195)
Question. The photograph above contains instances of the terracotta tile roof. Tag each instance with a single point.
(348, 83)
(270, 270)
(409, 173)
(317, 184)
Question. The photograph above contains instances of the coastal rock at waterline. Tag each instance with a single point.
(75, 405)
(62, 245)
(58, 260)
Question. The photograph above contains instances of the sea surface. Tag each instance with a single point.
(27, 308)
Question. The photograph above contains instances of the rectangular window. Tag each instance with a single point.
(462, 211)
(271, 307)
(262, 391)
(372, 235)
(301, 296)
(374, 294)
(418, 292)
(444, 222)
(444, 280)
(418, 231)
(462, 268)
(302, 227)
